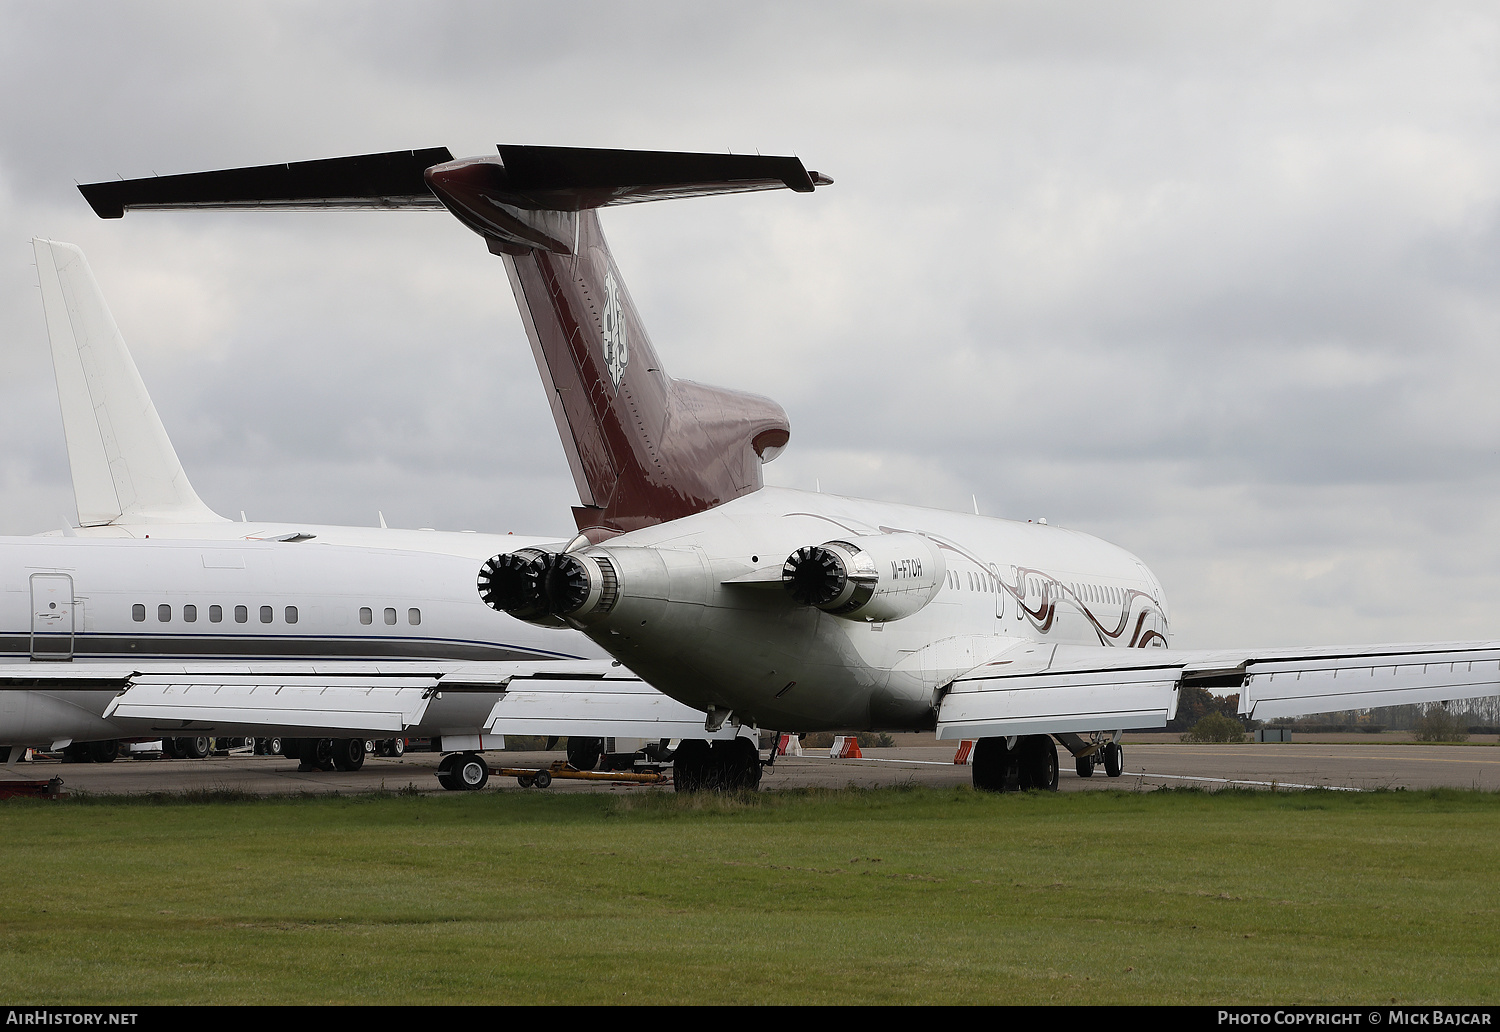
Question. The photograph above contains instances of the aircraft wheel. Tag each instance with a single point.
(170, 749)
(1038, 763)
(195, 748)
(348, 754)
(585, 753)
(322, 754)
(104, 752)
(273, 747)
(543, 779)
(994, 765)
(1114, 759)
(1085, 765)
(689, 763)
(739, 764)
(470, 772)
(398, 747)
(448, 781)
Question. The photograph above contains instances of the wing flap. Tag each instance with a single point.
(1290, 688)
(597, 708)
(315, 705)
(998, 705)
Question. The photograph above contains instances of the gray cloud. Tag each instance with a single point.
(1216, 282)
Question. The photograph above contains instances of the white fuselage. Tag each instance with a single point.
(703, 617)
(147, 594)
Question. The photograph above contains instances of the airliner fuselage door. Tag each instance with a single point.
(51, 616)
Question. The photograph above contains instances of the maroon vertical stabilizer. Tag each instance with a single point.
(644, 448)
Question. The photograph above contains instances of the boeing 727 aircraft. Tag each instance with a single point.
(158, 617)
(782, 608)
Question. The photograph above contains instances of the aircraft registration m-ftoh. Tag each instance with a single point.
(787, 609)
(156, 617)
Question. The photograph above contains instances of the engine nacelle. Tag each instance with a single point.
(548, 587)
(874, 578)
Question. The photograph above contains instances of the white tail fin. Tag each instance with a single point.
(124, 467)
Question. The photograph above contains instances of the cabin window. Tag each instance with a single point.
(215, 614)
(366, 616)
(414, 617)
(390, 618)
(190, 614)
(241, 614)
(265, 614)
(291, 614)
(138, 613)
(164, 613)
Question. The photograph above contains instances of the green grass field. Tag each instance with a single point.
(890, 896)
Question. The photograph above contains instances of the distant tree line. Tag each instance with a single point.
(1472, 716)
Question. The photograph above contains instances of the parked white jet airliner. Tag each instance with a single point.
(176, 622)
(782, 608)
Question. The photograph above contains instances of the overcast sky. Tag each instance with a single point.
(1216, 282)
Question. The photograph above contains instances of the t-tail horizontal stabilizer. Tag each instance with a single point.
(643, 447)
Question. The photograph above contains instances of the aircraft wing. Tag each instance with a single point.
(1035, 688)
(597, 698)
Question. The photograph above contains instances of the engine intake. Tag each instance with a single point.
(872, 578)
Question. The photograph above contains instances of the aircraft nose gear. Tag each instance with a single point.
(1098, 747)
(1114, 759)
(463, 772)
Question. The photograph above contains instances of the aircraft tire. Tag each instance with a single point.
(348, 754)
(739, 765)
(448, 781)
(104, 752)
(688, 765)
(1085, 766)
(195, 748)
(1038, 763)
(994, 765)
(470, 773)
(322, 754)
(1114, 759)
(273, 746)
(398, 747)
(584, 753)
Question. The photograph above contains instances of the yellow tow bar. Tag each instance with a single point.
(528, 777)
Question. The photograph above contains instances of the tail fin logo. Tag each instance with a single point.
(616, 347)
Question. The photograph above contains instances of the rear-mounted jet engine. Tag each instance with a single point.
(875, 578)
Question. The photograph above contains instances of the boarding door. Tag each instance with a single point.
(51, 616)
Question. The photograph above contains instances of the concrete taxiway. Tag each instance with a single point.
(1151, 761)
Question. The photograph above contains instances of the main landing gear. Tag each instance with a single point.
(1030, 761)
(699, 766)
(1027, 762)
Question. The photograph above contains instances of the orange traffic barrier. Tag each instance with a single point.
(845, 747)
